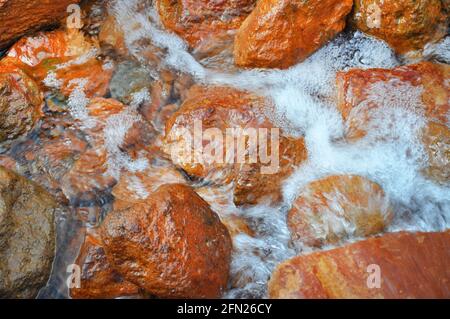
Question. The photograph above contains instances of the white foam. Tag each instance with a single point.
(78, 102)
(116, 128)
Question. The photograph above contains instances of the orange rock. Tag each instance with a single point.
(421, 88)
(221, 109)
(281, 33)
(338, 207)
(20, 17)
(98, 279)
(56, 59)
(406, 25)
(359, 88)
(172, 246)
(410, 265)
(195, 20)
(21, 103)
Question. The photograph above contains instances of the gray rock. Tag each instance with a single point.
(129, 78)
(27, 236)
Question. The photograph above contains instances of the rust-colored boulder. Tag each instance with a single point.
(421, 89)
(407, 25)
(226, 113)
(60, 59)
(172, 246)
(195, 20)
(281, 33)
(98, 278)
(21, 103)
(410, 265)
(335, 208)
(21, 17)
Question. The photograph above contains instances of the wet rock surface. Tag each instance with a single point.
(63, 60)
(20, 17)
(98, 278)
(196, 20)
(225, 109)
(21, 103)
(369, 98)
(411, 265)
(27, 236)
(173, 245)
(330, 210)
(407, 25)
(281, 33)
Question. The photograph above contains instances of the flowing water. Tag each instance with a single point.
(390, 154)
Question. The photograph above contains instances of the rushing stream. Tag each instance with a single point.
(390, 155)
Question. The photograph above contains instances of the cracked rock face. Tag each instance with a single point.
(27, 239)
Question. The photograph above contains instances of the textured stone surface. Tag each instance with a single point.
(412, 265)
(421, 89)
(281, 33)
(335, 208)
(405, 24)
(63, 60)
(27, 238)
(20, 103)
(172, 246)
(196, 20)
(20, 17)
(222, 108)
(98, 278)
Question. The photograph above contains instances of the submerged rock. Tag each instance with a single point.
(335, 208)
(118, 139)
(27, 236)
(98, 278)
(197, 20)
(63, 60)
(21, 103)
(20, 17)
(281, 33)
(50, 153)
(406, 25)
(400, 265)
(227, 118)
(371, 98)
(130, 78)
(172, 246)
